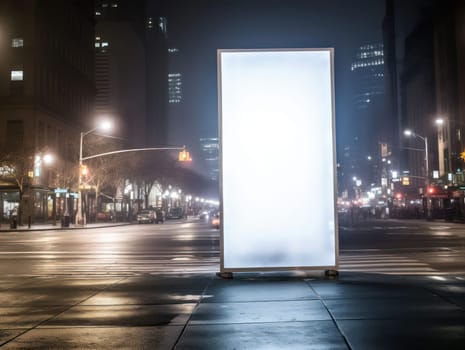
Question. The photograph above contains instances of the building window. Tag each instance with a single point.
(17, 42)
(98, 13)
(16, 75)
(104, 44)
(114, 5)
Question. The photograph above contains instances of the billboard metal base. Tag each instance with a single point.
(331, 273)
(225, 275)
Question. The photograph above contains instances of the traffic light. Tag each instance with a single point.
(84, 170)
(184, 156)
(462, 155)
(405, 181)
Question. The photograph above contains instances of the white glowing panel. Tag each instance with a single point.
(278, 162)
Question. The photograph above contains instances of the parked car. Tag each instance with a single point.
(146, 216)
(104, 216)
(175, 213)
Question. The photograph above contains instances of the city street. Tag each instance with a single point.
(410, 247)
(173, 247)
(407, 247)
(154, 286)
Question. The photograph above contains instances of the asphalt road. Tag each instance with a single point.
(407, 247)
(172, 247)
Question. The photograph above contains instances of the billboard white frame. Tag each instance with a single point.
(289, 144)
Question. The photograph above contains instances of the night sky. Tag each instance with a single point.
(198, 28)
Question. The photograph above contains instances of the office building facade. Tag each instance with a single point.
(46, 93)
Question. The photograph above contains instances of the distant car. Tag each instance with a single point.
(104, 216)
(216, 221)
(146, 216)
(175, 213)
(203, 215)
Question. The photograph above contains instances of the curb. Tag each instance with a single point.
(59, 228)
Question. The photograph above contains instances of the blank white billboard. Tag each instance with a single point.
(277, 159)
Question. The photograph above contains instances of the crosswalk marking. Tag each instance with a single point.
(384, 264)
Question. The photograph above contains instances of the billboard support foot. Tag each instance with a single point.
(331, 273)
(225, 275)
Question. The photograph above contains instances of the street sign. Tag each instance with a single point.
(275, 106)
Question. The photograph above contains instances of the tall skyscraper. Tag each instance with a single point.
(156, 78)
(361, 154)
(174, 77)
(210, 149)
(132, 68)
(368, 73)
(120, 67)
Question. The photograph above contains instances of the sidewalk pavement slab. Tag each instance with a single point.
(251, 311)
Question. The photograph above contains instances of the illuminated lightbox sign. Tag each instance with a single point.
(276, 117)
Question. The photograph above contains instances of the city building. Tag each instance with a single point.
(449, 54)
(156, 45)
(418, 105)
(360, 156)
(119, 44)
(368, 73)
(429, 52)
(210, 150)
(174, 77)
(46, 94)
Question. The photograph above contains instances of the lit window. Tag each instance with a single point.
(17, 42)
(97, 44)
(104, 5)
(104, 44)
(114, 5)
(98, 13)
(16, 75)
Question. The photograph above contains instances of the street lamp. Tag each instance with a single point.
(104, 125)
(425, 140)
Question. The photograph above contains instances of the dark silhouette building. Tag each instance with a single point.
(120, 67)
(46, 93)
(428, 40)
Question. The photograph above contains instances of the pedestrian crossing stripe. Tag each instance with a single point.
(383, 264)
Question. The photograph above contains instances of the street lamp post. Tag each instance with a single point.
(425, 140)
(184, 156)
(104, 126)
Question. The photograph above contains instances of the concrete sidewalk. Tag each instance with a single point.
(45, 227)
(350, 312)
(58, 226)
(251, 311)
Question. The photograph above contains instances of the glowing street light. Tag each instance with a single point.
(104, 125)
(425, 140)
